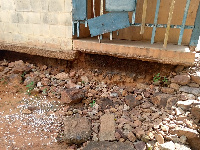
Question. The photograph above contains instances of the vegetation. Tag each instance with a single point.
(30, 87)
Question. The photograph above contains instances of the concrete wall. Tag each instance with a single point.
(43, 24)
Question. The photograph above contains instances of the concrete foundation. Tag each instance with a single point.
(175, 55)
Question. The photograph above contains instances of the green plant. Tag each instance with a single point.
(82, 83)
(162, 80)
(23, 74)
(44, 91)
(165, 80)
(30, 87)
(157, 77)
(92, 103)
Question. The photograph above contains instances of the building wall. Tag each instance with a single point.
(45, 24)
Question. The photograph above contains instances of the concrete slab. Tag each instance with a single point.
(174, 54)
(67, 55)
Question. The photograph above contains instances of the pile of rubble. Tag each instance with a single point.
(96, 115)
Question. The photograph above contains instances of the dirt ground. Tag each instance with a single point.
(32, 118)
(22, 129)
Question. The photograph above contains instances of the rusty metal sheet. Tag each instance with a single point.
(108, 23)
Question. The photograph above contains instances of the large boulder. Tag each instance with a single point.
(76, 130)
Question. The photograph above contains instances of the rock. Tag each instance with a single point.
(124, 93)
(26, 111)
(189, 133)
(131, 137)
(181, 147)
(167, 146)
(18, 67)
(72, 96)
(140, 145)
(159, 138)
(174, 86)
(146, 105)
(105, 103)
(196, 111)
(117, 135)
(195, 85)
(183, 139)
(179, 111)
(45, 81)
(39, 84)
(84, 79)
(187, 89)
(171, 102)
(62, 76)
(192, 136)
(138, 97)
(139, 132)
(107, 128)
(113, 94)
(137, 123)
(196, 77)
(15, 79)
(185, 105)
(181, 79)
(160, 99)
(179, 69)
(72, 74)
(167, 90)
(165, 128)
(105, 145)
(131, 101)
(76, 130)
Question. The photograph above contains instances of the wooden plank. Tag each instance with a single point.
(101, 8)
(155, 21)
(168, 23)
(108, 23)
(183, 22)
(120, 5)
(79, 10)
(143, 16)
(196, 31)
(94, 13)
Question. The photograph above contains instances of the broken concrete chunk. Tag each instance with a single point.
(107, 128)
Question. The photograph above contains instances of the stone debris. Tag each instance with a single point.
(94, 114)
